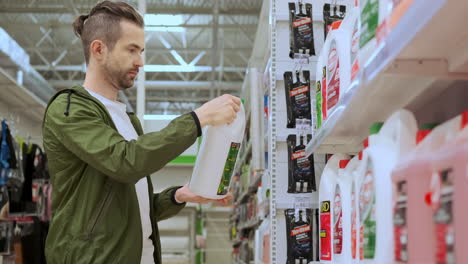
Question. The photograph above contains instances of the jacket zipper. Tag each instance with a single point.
(101, 209)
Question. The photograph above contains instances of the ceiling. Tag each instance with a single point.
(202, 55)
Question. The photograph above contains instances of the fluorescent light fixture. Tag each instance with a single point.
(188, 68)
(163, 20)
(175, 68)
(160, 117)
(166, 29)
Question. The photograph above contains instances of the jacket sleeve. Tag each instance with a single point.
(84, 133)
(164, 204)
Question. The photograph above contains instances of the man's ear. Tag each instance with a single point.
(98, 50)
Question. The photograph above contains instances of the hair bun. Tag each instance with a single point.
(78, 24)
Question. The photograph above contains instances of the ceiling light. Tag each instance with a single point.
(163, 20)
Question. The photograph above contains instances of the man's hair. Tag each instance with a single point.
(103, 23)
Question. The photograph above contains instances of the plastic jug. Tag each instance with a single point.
(352, 25)
(408, 188)
(448, 196)
(344, 48)
(412, 181)
(321, 85)
(217, 158)
(349, 36)
(375, 194)
(326, 198)
(337, 69)
(374, 14)
(357, 180)
(342, 211)
(351, 169)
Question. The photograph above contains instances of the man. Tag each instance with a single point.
(104, 209)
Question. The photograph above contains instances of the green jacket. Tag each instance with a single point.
(95, 211)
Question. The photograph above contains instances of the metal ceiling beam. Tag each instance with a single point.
(173, 99)
(148, 68)
(166, 85)
(149, 50)
(215, 45)
(150, 10)
(141, 93)
(61, 25)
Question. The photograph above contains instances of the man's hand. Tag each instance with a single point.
(184, 195)
(219, 111)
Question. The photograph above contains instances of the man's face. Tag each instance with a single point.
(122, 63)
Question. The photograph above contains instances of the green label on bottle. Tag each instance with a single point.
(369, 21)
(229, 168)
(318, 103)
(367, 215)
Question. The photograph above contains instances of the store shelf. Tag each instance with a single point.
(243, 198)
(236, 243)
(251, 224)
(410, 61)
(20, 99)
(253, 186)
(251, 190)
(243, 157)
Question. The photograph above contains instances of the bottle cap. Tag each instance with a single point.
(429, 126)
(421, 135)
(464, 121)
(344, 163)
(375, 128)
(336, 25)
(428, 198)
(365, 143)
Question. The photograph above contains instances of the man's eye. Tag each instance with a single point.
(132, 50)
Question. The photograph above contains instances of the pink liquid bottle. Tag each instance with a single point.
(415, 238)
(448, 197)
(407, 175)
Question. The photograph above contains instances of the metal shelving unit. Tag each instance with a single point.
(410, 66)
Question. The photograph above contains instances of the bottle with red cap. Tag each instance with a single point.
(337, 69)
(343, 203)
(406, 183)
(327, 199)
(426, 184)
(356, 185)
(395, 138)
(448, 196)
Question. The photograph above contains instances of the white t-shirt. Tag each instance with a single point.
(118, 112)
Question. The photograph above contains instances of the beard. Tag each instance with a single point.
(119, 77)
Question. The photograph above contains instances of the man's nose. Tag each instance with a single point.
(139, 62)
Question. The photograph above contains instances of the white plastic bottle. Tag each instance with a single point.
(336, 68)
(343, 241)
(350, 28)
(321, 85)
(342, 59)
(326, 198)
(217, 158)
(396, 138)
(374, 14)
(355, 243)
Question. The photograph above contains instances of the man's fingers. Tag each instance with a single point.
(236, 107)
(237, 101)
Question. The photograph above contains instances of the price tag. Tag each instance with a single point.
(302, 202)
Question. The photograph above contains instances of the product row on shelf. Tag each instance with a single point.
(331, 197)
(400, 199)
